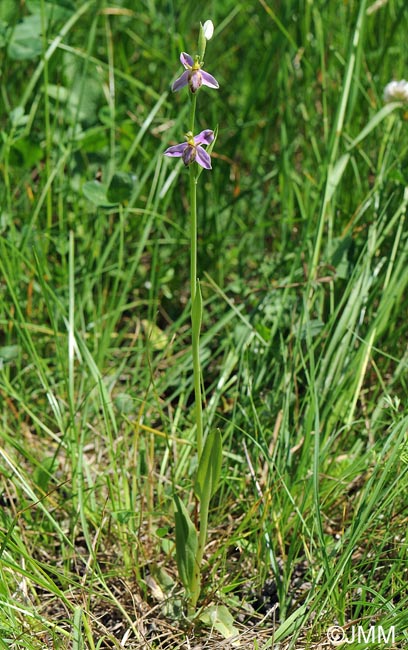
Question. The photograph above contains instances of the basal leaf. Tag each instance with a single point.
(220, 618)
(209, 467)
(96, 193)
(186, 546)
(121, 187)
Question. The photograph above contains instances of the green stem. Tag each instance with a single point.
(193, 232)
(196, 308)
(192, 111)
(196, 313)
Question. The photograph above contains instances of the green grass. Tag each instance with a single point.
(303, 263)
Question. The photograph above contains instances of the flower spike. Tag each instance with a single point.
(192, 150)
(193, 75)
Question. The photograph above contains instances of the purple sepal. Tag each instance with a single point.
(203, 158)
(209, 80)
(181, 81)
(176, 151)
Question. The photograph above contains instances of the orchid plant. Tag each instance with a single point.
(191, 539)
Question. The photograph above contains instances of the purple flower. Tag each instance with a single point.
(191, 150)
(193, 76)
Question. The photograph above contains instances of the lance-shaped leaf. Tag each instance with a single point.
(209, 467)
(186, 546)
(197, 312)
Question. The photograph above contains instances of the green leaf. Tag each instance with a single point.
(9, 353)
(44, 472)
(220, 618)
(121, 187)
(25, 153)
(96, 193)
(9, 10)
(336, 173)
(197, 313)
(374, 122)
(26, 39)
(209, 467)
(186, 546)
(55, 9)
(291, 624)
(156, 337)
(403, 452)
(3, 33)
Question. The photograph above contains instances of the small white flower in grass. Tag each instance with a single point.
(396, 91)
(208, 29)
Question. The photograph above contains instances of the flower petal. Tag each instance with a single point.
(203, 158)
(186, 60)
(208, 80)
(181, 81)
(205, 137)
(176, 151)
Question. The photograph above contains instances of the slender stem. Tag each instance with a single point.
(196, 312)
(195, 297)
(193, 232)
(192, 111)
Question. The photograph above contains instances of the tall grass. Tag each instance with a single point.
(303, 256)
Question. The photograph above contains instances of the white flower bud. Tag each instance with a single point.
(208, 29)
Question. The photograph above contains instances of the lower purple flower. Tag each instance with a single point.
(192, 150)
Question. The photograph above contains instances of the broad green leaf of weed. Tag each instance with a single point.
(156, 337)
(186, 545)
(9, 353)
(209, 468)
(8, 10)
(121, 187)
(97, 193)
(220, 618)
(26, 40)
(56, 9)
(25, 153)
